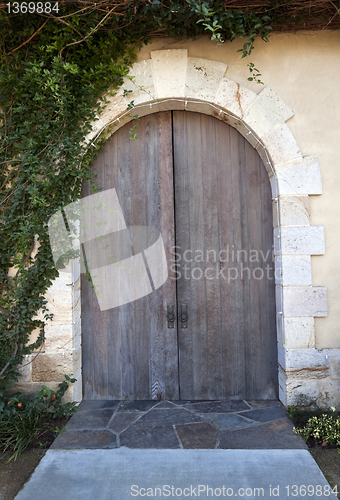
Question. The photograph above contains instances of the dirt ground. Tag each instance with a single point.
(15, 473)
(329, 463)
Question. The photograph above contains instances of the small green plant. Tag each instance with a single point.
(133, 136)
(325, 428)
(254, 73)
(22, 418)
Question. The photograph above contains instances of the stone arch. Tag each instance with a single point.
(170, 80)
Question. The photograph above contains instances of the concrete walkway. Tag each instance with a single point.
(120, 474)
(179, 449)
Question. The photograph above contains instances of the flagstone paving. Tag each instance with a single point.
(180, 424)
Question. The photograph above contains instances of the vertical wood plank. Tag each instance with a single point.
(168, 233)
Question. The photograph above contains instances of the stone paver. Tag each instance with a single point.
(264, 416)
(218, 406)
(277, 434)
(137, 405)
(180, 424)
(198, 436)
(228, 421)
(162, 436)
(86, 439)
(91, 419)
(122, 421)
(170, 417)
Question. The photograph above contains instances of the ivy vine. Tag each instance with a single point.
(55, 70)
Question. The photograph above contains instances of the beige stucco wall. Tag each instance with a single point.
(304, 70)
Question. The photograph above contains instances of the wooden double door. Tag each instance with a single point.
(201, 184)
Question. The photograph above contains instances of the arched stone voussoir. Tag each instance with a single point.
(266, 112)
(281, 145)
(291, 210)
(139, 86)
(233, 97)
(203, 78)
(300, 176)
(169, 71)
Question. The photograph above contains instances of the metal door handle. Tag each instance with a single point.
(184, 316)
(171, 317)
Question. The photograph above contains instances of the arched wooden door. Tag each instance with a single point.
(201, 184)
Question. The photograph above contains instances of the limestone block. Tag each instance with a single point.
(30, 389)
(140, 82)
(304, 301)
(302, 392)
(334, 356)
(63, 283)
(52, 367)
(296, 270)
(169, 69)
(304, 363)
(299, 333)
(203, 78)
(234, 98)
(301, 176)
(58, 337)
(60, 305)
(329, 393)
(97, 126)
(281, 145)
(267, 111)
(299, 240)
(25, 370)
(116, 105)
(291, 210)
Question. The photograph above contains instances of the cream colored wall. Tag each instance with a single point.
(304, 70)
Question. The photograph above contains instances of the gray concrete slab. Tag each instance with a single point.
(120, 474)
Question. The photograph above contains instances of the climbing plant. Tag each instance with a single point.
(57, 62)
